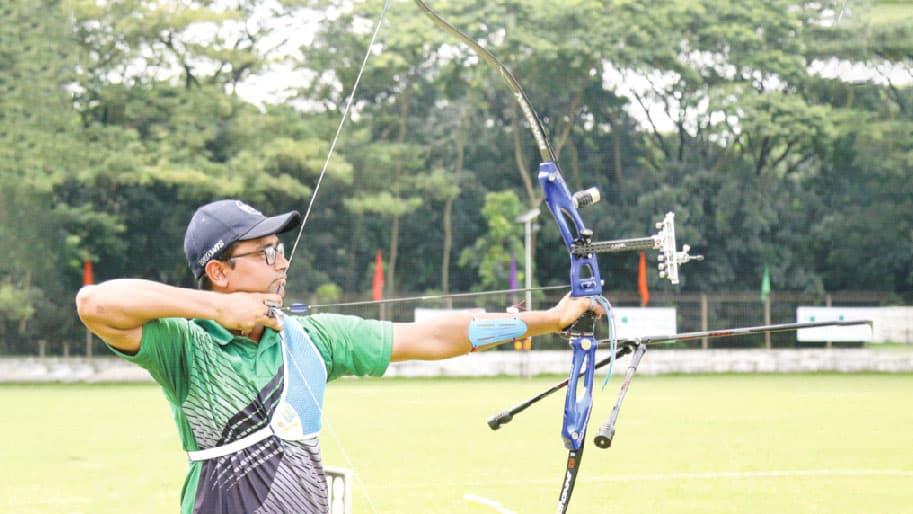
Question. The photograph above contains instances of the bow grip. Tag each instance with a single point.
(585, 325)
(577, 406)
(585, 278)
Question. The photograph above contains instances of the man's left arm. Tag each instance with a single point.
(448, 336)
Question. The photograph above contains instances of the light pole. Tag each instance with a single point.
(527, 220)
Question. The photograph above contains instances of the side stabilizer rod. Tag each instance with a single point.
(606, 432)
(506, 416)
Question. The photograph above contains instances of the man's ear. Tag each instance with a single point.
(215, 270)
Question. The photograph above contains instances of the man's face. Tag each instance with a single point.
(257, 266)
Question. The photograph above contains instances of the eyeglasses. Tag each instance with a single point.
(270, 253)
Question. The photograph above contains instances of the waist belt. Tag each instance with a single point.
(232, 447)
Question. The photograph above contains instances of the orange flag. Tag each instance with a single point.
(378, 283)
(88, 278)
(642, 280)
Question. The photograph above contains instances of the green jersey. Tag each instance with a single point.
(222, 387)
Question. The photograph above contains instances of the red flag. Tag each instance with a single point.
(378, 284)
(88, 278)
(642, 280)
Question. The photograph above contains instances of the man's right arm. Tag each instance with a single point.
(116, 310)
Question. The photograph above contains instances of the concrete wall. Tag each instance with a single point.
(496, 363)
(658, 362)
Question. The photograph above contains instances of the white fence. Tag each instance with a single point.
(519, 363)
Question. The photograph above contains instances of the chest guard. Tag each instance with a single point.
(297, 416)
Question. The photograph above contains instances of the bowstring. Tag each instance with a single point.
(326, 164)
(326, 421)
(840, 14)
(345, 114)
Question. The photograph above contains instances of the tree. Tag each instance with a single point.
(39, 149)
(492, 252)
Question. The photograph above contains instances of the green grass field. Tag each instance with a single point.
(708, 444)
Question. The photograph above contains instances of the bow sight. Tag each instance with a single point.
(664, 241)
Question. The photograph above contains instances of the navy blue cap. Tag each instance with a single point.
(217, 225)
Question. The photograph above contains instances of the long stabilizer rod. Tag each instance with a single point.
(760, 329)
(626, 345)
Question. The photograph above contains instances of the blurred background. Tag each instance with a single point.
(780, 134)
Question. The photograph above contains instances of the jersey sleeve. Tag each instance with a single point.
(164, 353)
(351, 345)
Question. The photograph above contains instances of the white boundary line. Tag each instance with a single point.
(486, 502)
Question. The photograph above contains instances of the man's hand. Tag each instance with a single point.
(245, 312)
(570, 308)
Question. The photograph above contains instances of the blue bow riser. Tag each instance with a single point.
(585, 279)
(577, 408)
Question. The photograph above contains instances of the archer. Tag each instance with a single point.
(245, 382)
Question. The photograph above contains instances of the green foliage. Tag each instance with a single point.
(39, 150)
(328, 293)
(869, 194)
(492, 252)
(15, 305)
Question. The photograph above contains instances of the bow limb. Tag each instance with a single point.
(535, 124)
